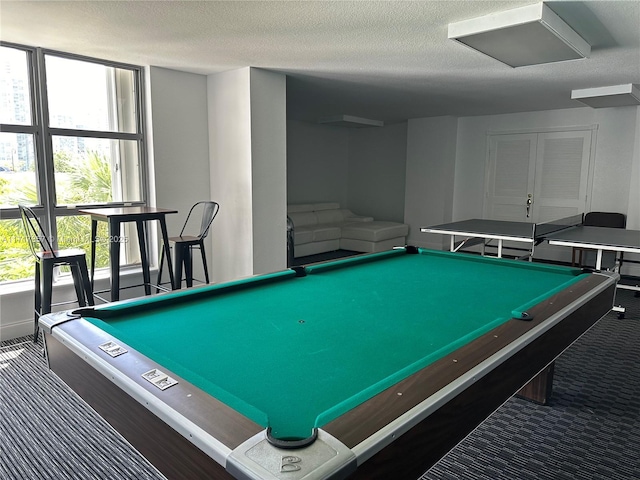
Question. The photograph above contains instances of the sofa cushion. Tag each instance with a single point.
(317, 207)
(303, 207)
(334, 215)
(375, 231)
(302, 235)
(303, 219)
(349, 216)
(325, 232)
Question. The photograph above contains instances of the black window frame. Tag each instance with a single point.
(46, 208)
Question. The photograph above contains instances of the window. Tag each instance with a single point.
(71, 136)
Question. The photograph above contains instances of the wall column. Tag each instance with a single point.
(247, 155)
(431, 159)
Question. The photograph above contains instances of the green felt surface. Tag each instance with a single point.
(295, 353)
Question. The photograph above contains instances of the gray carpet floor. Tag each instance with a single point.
(591, 429)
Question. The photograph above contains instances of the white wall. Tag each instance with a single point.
(633, 218)
(617, 133)
(17, 301)
(179, 148)
(361, 168)
(241, 117)
(430, 167)
(269, 167)
(317, 163)
(633, 209)
(615, 167)
(246, 105)
(616, 129)
(230, 168)
(376, 171)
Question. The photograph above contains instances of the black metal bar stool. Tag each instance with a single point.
(46, 259)
(183, 246)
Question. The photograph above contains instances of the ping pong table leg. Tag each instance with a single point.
(620, 309)
(599, 260)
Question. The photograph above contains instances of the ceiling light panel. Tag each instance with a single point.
(613, 96)
(350, 121)
(522, 36)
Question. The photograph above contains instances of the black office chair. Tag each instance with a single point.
(600, 219)
(183, 245)
(46, 259)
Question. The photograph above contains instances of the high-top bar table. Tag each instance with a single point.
(115, 216)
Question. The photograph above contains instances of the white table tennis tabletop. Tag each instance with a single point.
(487, 229)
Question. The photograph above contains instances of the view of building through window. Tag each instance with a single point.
(77, 143)
(17, 150)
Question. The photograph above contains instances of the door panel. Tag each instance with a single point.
(511, 176)
(562, 174)
(546, 171)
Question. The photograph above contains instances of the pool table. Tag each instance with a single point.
(369, 367)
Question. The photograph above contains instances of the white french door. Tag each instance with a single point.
(511, 177)
(537, 177)
(562, 173)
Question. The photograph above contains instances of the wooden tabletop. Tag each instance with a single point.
(107, 212)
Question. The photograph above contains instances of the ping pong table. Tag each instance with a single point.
(484, 231)
(567, 232)
(601, 239)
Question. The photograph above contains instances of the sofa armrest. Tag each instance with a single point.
(302, 219)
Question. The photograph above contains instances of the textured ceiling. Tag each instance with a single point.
(382, 60)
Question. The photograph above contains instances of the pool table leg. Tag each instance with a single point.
(539, 389)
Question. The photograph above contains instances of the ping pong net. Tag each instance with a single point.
(542, 230)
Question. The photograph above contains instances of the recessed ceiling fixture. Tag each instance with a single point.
(613, 96)
(522, 36)
(350, 121)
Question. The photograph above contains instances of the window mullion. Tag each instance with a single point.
(31, 129)
(141, 128)
(44, 149)
(94, 134)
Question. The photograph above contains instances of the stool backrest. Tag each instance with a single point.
(209, 211)
(36, 238)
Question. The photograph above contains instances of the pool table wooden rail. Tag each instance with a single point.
(392, 435)
(135, 414)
